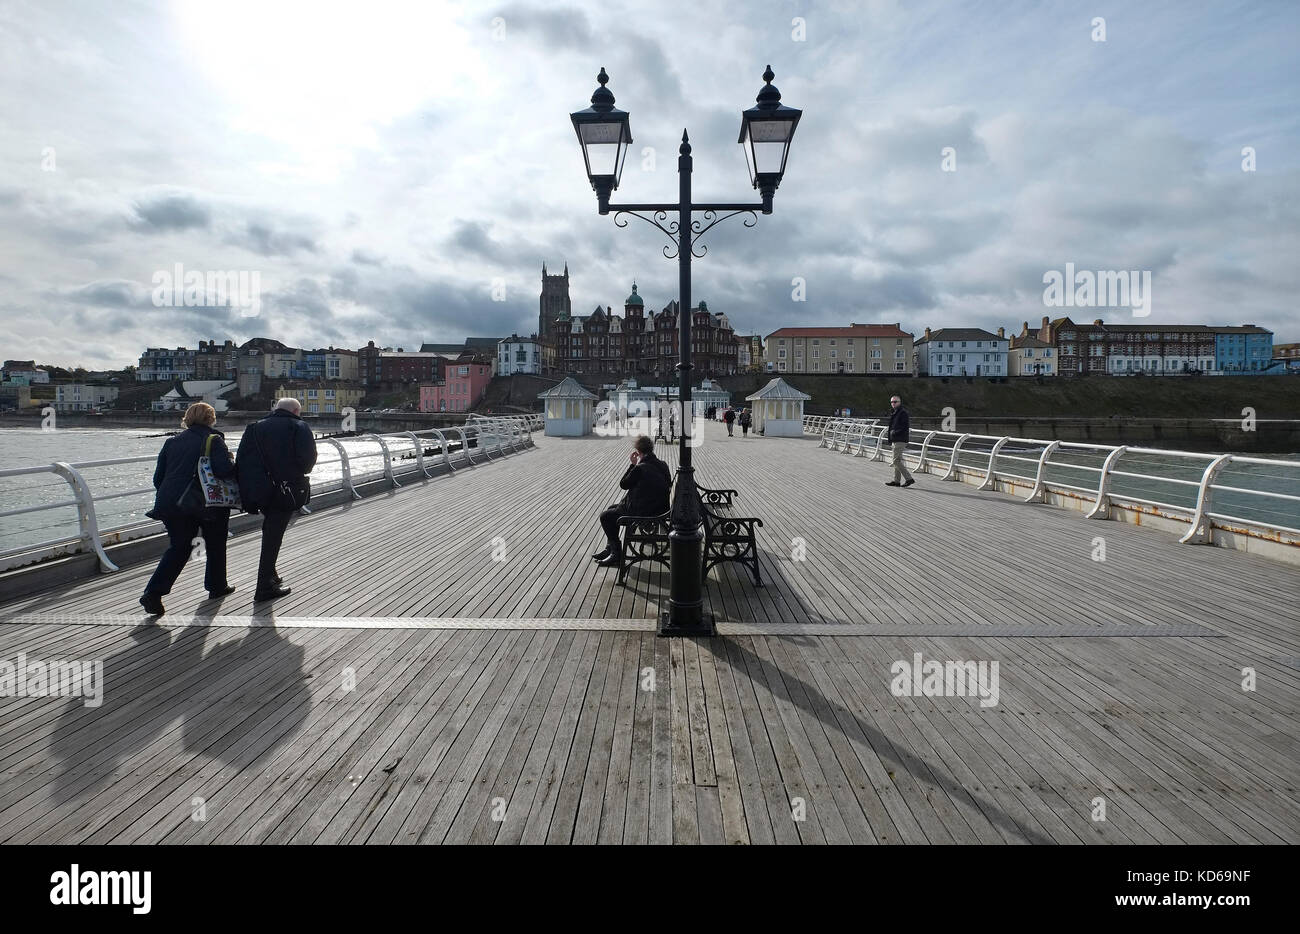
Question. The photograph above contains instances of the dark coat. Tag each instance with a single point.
(729, 415)
(745, 418)
(900, 426)
(178, 464)
(647, 485)
(290, 451)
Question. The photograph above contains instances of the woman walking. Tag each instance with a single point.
(745, 422)
(182, 507)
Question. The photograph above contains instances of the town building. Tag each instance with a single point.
(23, 372)
(15, 395)
(1243, 349)
(517, 354)
(461, 388)
(163, 364)
(1152, 349)
(883, 349)
(409, 368)
(962, 352)
(80, 397)
(1286, 357)
(749, 353)
(1030, 356)
(603, 344)
(216, 361)
(321, 398)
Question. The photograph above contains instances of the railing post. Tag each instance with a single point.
(347, 469)
(1202, 529)
(1039, 492)
(925, 449)
(993, 454)
(879, 453)
(86, 523)
(952, 464)
(1101, 508)
(446, 454)
(464, 444)
(419, 452)
(388, 460)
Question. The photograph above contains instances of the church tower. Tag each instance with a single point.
(554, 302)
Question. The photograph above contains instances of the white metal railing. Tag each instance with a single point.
(373, 457)
(1063, 466)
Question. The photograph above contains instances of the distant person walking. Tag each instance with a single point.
(647, 481)
(275, 456)
(180, 504)
(899, 434)
(745, 421)
(730, 418)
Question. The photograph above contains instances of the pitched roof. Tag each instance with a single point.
(853, 330)
(961, 334)
(779, 390)
(567, 388)
(1028, 341)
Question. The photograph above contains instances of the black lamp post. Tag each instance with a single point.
(605, 134)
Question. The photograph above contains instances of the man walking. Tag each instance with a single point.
(730, 418)
(898, 436)
(647, 482)
(274, 453)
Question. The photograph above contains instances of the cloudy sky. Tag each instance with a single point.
(380, 164)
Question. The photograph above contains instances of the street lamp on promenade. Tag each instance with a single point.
(605, 133)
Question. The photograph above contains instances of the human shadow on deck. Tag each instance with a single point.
(835, 716)
(240, 701)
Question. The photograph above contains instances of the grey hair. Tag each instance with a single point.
(290, 405)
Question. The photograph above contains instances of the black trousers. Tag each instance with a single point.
(609, 522)
(181, 532)
(273, 526)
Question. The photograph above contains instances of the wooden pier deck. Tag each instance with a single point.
(451, 667)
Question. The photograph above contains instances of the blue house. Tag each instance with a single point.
(1243, 349)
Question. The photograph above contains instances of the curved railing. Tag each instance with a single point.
(341, 464)
(1250, 495)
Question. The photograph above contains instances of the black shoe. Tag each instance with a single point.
(152, 604)
(263, 595)
(892, 483)
(278, 580)
(223, 592)
(602, 555)
(909, 482)
(613, 561)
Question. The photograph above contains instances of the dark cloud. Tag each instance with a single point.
(263, 239)
(557, 28)
(367, 258)
(171, 211)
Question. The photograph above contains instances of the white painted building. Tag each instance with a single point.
(517, 354)
(78, 397)
(181, 396)
(962, 352)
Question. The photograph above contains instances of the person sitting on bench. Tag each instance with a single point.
(647, 482)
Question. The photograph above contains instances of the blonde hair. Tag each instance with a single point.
(200, 413)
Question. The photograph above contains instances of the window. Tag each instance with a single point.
(963, 358)
(875, 354)
(963, 343)
(898, 342)
(875, 342)
(816, 353)
(875, 365)
(898, 355)
(832, 344)
(986, 358)
(816, 342)
(850, 357)
(832, 352)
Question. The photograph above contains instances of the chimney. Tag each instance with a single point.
(927, 333)
(1002, 332)
(1046, 321)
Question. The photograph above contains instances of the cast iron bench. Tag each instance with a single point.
(726, 537)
